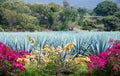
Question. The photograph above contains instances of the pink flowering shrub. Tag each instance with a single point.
(106, 63)
(8, 61)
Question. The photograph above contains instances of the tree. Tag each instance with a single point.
(7, 17)
(68, 18)
(27, 22)
(117, 14)
(106, 8)
(2, 2)
(111, 23)
(82, 11)
(17, 5)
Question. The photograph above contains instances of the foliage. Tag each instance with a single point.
(10, 63)
(17, 15)
(48, 16)
(85, 41)
(111, 23)
(117, 14)
(82, 11)
(32, 70)
(57, 60)
(106, 8)
(107, 62)
(1, 29)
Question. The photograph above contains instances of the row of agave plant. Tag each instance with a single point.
(85, 41)
(59, 61)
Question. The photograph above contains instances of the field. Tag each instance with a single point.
(96, 41)
(59, 53)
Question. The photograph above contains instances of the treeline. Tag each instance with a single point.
(17, 15)
(111, 15)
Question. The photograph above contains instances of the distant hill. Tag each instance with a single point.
(89, 4)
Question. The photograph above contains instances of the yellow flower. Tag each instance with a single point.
(78, 60)
(68, 46)
(26, 56)
(58, 49)
(53, 50)
(43, 58)
(32, 56)
(71, 57)
(31, 39)
(34, 61)
(35, 52)
(46, 60)
(87, 59)
(19, 60)
(68, 60)
(26, 61)
(46, 48)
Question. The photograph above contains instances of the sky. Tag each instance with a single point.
(89, 4)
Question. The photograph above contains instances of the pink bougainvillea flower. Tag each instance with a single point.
(7, 55)
(101, 63)
(111, 41)
(90, 65)
(108, 60)
(1, 57)
(23, 52)
(104, 55)
(115, 68)
(19, 65)
(11, 57)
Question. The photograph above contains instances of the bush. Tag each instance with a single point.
(11, 62)
(106, 63)
(54, 61)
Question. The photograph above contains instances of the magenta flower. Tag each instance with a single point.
(1, 57)
(111, 41)
(19, 65)
(90, 65)
(115, 68)
(104, 55)
(11, 57)
(8, 59)
(107, 60)
(23, 52)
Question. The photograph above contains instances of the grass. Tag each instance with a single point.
(34, 71)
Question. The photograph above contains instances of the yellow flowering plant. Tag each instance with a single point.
(56, 60)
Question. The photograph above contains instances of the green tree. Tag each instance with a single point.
(17, 5)
(2, 2)
(111, 23)
(7, 17)
(106, 8)
(27, 22)
(117, 14)
(68, 18)
(82, 11)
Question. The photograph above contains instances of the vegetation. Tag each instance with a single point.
(106, 8)
(58, 61)
(109, 11)
(85, 41)
(17, 15)
(106, 63)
